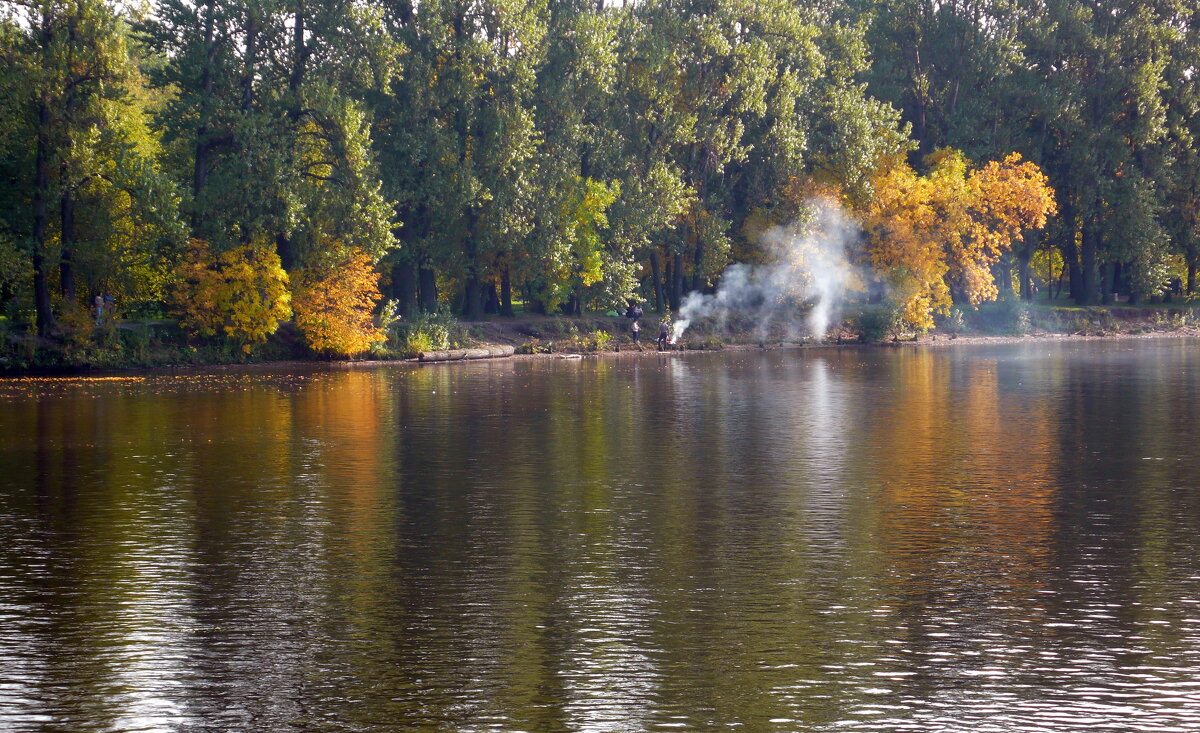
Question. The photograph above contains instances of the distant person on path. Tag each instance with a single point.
(99, 309)
(664, 333)
(634, 330)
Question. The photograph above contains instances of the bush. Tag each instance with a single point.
(953, 322)
(429, 332)
(1010, 317)
(240, 294)
(334, 304)
(876, 324)
(597, 341)
(1016, 315)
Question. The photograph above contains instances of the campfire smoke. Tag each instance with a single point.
(804, 280)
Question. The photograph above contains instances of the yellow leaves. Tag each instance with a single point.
(334, 305)
(942, 232)
(240, 294)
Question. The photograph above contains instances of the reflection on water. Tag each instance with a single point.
(998, 538)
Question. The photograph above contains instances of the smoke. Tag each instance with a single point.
(804, 280)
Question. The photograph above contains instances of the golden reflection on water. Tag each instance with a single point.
(823, 538)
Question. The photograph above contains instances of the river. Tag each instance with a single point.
(983, 538)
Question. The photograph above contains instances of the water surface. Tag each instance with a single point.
(980, 538)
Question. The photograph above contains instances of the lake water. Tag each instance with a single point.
(984, 538)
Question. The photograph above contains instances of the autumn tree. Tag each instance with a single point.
(240, 294)
(334, 304)
(934, 237)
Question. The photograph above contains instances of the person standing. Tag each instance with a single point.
(635, 330)
(664, 333)
(99, 309)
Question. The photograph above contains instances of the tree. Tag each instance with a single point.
(267, 105)
(458, 135)
(934, 238)
(334, 303)
(239, 294)
(97, 199)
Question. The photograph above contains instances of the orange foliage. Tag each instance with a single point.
(240, 294)
(334, 305)
(931, 234)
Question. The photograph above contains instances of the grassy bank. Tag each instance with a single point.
(158, 343)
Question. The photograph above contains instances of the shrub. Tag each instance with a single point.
(533, 346)
(877, 324)
(953, 322)
(597, 341)
(240, 294)
(1016, 316)
(429, 332)
(334, 305)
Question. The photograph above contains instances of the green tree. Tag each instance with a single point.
(97, 206)
(268, 104)
(459, 134)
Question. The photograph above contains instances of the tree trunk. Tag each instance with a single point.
(404, 287)
(200, 166)
(506, 308)
(676, 280)
(299, 52)
(491, 299)
(656, 276)
(1025, 275)
(1003, 275)
(1068, 247)
(697, 259)
(287, 254)
(1087, 265)
(1106, 294)
(429, 293)
(66, 269)
(41, 190)
(1025, 266)
(1118, 281)
(66, 208)
(249, 67)
(472, 309)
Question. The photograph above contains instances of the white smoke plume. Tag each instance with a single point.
(805, 279)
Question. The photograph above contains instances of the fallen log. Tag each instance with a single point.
(487, 352)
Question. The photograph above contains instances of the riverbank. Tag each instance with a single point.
(152, 345)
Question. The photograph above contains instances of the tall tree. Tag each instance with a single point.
(268, 104)
(458, 134)
(97, 197)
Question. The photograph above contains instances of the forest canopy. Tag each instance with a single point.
(221, 161)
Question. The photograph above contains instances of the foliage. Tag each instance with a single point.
(428, 332)
(937, 235)
(240, 294)
(334, 305)
(877, 323)
(577, 155)
(1102, 96)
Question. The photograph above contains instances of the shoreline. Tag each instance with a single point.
(937, 341)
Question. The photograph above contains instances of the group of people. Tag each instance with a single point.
(103, 302)
(634, 313)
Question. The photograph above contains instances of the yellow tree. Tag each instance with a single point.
(899, 220)
(334, 305)
(934, 238)
(240, 294)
